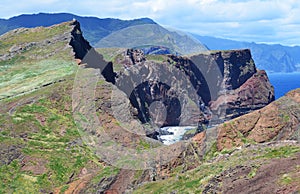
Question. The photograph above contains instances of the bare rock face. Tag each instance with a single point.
(238, 68)
(79, 44)
(151, 89)
(134, 56)
(188, 90)
(280, 120)
(255, 93)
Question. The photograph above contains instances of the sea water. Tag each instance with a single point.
(178, 132)
(284, 82)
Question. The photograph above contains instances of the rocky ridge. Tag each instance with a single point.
(43, 53)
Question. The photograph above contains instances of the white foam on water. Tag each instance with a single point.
(178, 132)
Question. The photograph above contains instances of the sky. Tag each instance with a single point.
(261, 21)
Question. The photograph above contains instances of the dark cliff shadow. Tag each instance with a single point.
(95, 60)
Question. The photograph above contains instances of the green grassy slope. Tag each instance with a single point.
(31, 58)
(40, 147)
(210, 177)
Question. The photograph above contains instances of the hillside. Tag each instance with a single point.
(272, 58)
(38, 134)
(71, 119)
(41, 147)
(33, 58)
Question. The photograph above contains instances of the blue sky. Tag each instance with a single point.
(269, 21)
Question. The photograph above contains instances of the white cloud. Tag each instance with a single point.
(273, 21)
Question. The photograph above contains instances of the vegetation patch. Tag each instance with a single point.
(32, 64)
(281, 152)
(195, 181)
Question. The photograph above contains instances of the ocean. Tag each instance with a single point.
(284, 82)
(177, 131)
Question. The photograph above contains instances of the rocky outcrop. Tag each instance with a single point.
(234, 84)
(211, 86)
(79, 44)
(73, 36)
(280, 120)
(255, 93)
(88, 55)
(150, 86)
(133, 57)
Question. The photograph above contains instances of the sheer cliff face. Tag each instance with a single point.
(78, 43)
(187, 90)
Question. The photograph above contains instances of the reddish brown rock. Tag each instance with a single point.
(255, 93)
(280, 120)
(199, 138)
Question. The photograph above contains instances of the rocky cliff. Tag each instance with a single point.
(270, 57)
(211, 86)
(78, 42)
(280, 120)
